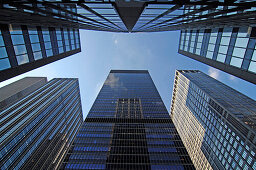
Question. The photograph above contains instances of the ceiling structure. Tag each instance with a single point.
(130, 15)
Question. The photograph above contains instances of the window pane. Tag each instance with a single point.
(252, 67)
(46, 37)
(237, 62)
(221, 58)
(20, 49)
(1, 41)
(241, 42)
(49, 53)
(239, 52)
(34, 38)
(38, 55)
(22, 59)
(4, 64)
(3, 53)
(225, 40)
(223, 49)
(36, 47)
(17, 39)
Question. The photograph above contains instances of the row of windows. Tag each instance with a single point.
(230, 46)
(22, 43)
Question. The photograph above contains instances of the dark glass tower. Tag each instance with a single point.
(216, 123)
(38, 128)
(26, 47)
(128, 127)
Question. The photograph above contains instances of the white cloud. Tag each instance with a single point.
(214, 73)
(112, 81)
(115, 41)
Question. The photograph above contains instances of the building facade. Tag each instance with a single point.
(223, 45)
(128, 127)
(215, 122)
(25, 47)
(230, 49)
(37, 130)
(131, 15)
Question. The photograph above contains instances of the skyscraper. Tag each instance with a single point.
(37, 129)
(131, 15)
(230, 49)
(128, 127)
(215, 122)
(26, 47)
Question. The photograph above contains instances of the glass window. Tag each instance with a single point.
(38, 55)
(221, 58)
(34, 38)
(36, 47)
(46, 37)
(213, 40)
(20, 49)
(209, 54)
(22, 59)
(237, 62)
(4, 64)
(1, 41)
(223, 49)
(241, 42)
(254, 55)
(49, 52)
(211, 47)
(3, 53)
(242, 32)
(17, 39)
(225, 40)
(252, 66)
(239, 52)
(227, 32)
(15, 29)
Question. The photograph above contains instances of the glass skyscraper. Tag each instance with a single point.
(26, 47)
(37, 129)
(128, 127)
(219, 33)
(230, 49)
(216, 123)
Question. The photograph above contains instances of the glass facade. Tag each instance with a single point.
(24, 48)
(216, 123)
(128, 127)
(233, 47)
(140, 15)
(38, 129)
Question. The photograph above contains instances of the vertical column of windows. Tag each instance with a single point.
(223, 48)
(77, 38)
(231, 45)
(35, 44)
(249, 61)
(212, 43)
(59, 40)
(18, 44)
(72, 39)
(199, 41)
(66, 38)
(47, 42)
(4, 61)
(240, 47)
(182, 37)
(192, 41)
(187, 40)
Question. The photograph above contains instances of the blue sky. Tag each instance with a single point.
(103, 51)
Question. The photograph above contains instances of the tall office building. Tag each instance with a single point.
(131, 15)
(26, 47)
(216, 123)
(128, 127)
(38, 127)
(230, 49)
